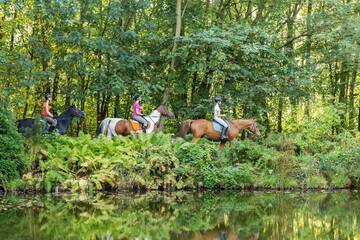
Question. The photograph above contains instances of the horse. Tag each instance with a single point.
(63, 122)
(111, 127)
(203, 128)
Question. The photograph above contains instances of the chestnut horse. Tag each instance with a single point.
(204, 128)
(116, 126)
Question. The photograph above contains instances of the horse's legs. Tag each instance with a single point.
(222, 145)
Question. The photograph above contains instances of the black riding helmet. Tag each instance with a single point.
(218, 99)
(136, 96)
(47, 96)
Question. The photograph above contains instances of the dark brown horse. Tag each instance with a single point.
(202, 128)
(116, 126)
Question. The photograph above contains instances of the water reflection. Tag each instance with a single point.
(228, 215)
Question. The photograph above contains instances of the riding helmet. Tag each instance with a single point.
(136, 96)
(218, 99)
(47, 96)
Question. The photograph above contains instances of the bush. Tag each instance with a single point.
(160, 162)
(11, 148)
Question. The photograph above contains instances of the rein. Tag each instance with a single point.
(158, 115)
(251, 128)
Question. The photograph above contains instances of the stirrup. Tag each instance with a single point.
(223, 138)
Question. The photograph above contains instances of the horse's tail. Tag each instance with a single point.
(184, 128)
(103, 127)
(100, 128)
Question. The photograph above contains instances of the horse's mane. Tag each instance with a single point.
(65, 113)
(237, 122)
(244, 120)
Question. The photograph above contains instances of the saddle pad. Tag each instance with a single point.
(217, 127)
(135, 125)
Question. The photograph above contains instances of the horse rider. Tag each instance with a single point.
(136, 113)
(218, 118)
(46, 115)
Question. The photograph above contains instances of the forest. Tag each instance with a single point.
(277, 61)
(291, 65)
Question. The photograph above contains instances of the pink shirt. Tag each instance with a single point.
(136, 108)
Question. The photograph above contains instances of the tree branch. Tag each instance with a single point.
(305, 34)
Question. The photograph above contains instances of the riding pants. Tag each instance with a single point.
(141, 120)
(50, 120)
(221, 122)
(223, 136)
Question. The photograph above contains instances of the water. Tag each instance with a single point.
(225, 215)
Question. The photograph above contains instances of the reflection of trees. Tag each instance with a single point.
(182, 216)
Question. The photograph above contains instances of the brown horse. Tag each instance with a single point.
(116, 126)
(204, 128)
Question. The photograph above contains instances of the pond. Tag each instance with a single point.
(182, 215)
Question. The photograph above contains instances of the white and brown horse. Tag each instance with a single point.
(117, 126)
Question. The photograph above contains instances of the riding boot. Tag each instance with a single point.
(223, 137)
(143, 128)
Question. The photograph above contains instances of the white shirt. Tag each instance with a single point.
(217, 111)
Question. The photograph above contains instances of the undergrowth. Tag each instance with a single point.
(161, 162)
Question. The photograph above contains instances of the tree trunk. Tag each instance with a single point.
(344, 78)
(98, 116)
(266, 123)
(55, 86)
(280, 114)
(117, 106)
(309, 31)
(352, 95)
(351, 100)
(68, 92)
(359, 119)
(308, 46)
(173, 51)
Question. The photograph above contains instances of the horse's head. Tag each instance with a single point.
(164, 111)
(249, 125)
(72, 111)
(254, 129)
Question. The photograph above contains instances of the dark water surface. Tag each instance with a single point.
(224, 215)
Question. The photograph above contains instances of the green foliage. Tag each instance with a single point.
(161, 162)
(275, 64)
(12, 156)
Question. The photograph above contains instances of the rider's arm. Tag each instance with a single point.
(137, 110)
(47, 110)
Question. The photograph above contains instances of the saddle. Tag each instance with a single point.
(48, 126)
(217, 126)
(136, 125)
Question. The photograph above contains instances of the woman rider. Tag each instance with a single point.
(45, 111)
(137, 115)
(218, 118)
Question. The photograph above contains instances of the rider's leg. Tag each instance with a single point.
(50, 120)
(224, 134)
(142, 121)
(225, 126)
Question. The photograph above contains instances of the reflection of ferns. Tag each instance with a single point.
(170, 216)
